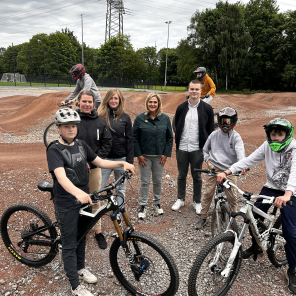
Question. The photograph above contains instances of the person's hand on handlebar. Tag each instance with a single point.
(69, 102)
(223, 175)
(282, 200)
(243, 172)
(83, 197)
(130, 167)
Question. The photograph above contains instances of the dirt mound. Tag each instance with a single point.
(27, 110)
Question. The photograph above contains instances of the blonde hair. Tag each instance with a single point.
(104, 108)
(159, 109)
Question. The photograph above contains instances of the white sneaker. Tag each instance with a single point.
(81, 291)
(157, 209)
(87, 276)
(143, 212)
(178, 204)
(197, 207)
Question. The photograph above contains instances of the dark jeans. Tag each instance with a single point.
(288, 216)
(195, 159)
(73, 254)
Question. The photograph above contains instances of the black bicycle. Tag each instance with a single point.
(51, 133)
(140, 263)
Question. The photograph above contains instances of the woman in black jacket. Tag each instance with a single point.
(95, 132)
(120, 124)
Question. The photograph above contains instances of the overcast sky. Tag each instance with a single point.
(144, 21)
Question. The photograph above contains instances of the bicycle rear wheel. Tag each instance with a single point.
(51, 134)
(276, 253)
(28, 234)
(205, 280)
(223, 219)
(158, 274)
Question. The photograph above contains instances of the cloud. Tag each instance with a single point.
(144, 21)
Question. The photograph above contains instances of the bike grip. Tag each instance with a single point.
(202, 171)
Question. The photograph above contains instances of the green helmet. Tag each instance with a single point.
(281, 124)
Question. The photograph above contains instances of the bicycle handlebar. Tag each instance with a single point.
(214, 173)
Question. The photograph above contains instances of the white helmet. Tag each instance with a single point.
(66, 116)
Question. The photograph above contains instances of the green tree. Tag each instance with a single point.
(149, 54)
(265, 24)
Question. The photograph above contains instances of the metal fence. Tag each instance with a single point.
(46, 66)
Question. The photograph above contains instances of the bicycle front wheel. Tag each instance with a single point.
(220, 220)
(51, 134)
(206, 279)
(276, 253)
(28, 234)
(156, 272)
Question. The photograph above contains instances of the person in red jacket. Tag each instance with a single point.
(208, 91)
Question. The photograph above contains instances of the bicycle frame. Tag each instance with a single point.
(246, 212)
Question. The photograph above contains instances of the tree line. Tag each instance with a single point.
(243, 46)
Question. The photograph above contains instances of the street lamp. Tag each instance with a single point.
(166, 58)
(82, 60)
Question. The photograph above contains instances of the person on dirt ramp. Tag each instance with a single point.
(83, 82)
(208, 91)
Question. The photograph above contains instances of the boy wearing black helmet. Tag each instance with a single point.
(83, 82)
(208, 90)
(222, 148)
(279, 153)
(67, 162)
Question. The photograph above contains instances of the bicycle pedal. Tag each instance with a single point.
(55, 268)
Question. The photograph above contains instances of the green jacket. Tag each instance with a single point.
(152, 136)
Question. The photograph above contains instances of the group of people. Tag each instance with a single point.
(100, 137)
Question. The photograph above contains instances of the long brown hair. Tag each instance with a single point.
(104, 109)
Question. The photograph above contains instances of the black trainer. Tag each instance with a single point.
(291, 282)
(200, 224)
(101, 240)
(251, 252)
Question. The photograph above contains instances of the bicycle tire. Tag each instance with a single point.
(276, 253)
(19, 220)
(204, 280)
(161, 276)
(224, 217)
(50, 134)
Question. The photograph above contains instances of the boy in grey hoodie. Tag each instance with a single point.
(279, 153)
(223, 148)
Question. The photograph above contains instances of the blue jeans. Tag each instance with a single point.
(73, 254)
(120, 189)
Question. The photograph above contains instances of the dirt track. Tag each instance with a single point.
(24, 164)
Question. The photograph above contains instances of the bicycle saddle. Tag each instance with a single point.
(45, 186)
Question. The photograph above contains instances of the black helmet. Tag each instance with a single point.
(77, 71)
(201, 70)
(227, 118)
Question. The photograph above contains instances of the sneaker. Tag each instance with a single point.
(101, 240)
(87, 276)
(197, 207)
(143, 212)
(81, 291)
(178, 204)
(251, 252)
(200, 224)
(158, 210)
(291, 282)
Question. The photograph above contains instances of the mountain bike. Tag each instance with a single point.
(217, 264)
(51, 133)
(140, 263)
(221, 212)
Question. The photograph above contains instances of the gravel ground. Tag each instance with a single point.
(175, 230)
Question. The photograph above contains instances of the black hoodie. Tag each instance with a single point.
(95, 132)
(122, 137)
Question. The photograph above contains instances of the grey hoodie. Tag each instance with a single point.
(280, 167)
